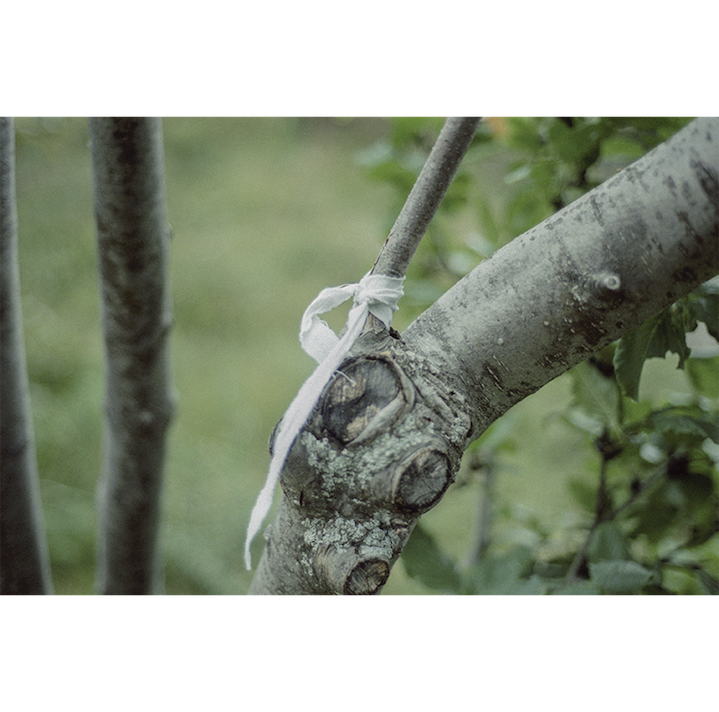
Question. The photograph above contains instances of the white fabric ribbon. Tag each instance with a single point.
(374, 294)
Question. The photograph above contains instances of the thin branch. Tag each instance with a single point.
(482, 537)
(24, 561)
(425, 197)
(343, 569)
(601, 517)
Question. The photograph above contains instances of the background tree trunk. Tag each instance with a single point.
(133, 239)
(24, 563)
(385, 441)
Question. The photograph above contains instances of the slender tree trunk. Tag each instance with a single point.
(133, 239)
(24, 563)
(385, 440)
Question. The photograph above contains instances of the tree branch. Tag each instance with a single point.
(339, 568)
(582, 278)
(425, 196)
(24, 563)
(133, 239)
(383, 444)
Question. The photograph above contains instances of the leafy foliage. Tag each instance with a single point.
(666, 332)
(650, 521)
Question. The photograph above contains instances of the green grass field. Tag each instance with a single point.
(265, 213)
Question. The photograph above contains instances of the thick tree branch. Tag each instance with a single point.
(386, 437)
(133, 238)
(344, 570)
(24, 564)
(581, 279)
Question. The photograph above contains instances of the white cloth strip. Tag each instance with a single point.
(374, 294)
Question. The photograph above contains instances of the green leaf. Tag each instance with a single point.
(629, 357)
(525, 134)
(577, 588)
(703, 304)
(664, 332)
(545, 174)
(647, 132)
(655, 513)
(424, 561)
(681, 508)
(503, 574)
(709, 583)
(608, 543)
(686, 426)
(597, 396)
(619, 577)
(704, 375)
(577, 145)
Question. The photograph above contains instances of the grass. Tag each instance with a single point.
(265, 213)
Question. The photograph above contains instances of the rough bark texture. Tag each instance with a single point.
(381, 448)
(581, 279)
(24, 563)
(385, 439)
(133, 241)
(373, 393)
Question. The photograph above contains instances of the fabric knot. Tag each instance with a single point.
(381, 294)
(374, 294)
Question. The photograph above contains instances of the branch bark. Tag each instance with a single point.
(387, 435)
(133, 241)
(426, 195)
(24, 561)
(346, 571)
(579, 280)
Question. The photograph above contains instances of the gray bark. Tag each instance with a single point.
(386, 437)
(24, 562)
(426, 195)
(581, 279)
(133, 242)
(372, 380)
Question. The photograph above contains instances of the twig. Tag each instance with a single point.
(483, 517)
(601, 517)
(425, 197)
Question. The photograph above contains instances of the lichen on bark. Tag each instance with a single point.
(364, 469)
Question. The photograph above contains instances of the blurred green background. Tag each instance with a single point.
(265, 213)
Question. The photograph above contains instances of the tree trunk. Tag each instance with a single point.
(385, 440)
(24, 563)
(133, 238)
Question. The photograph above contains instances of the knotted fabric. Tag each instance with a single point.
(374, 294)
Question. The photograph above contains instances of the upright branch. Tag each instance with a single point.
(341, 568)
(133, 243)
(425, 196)
(24, 564)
